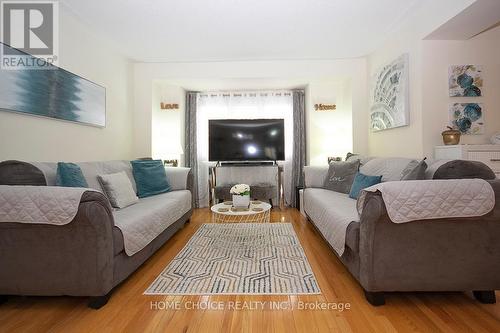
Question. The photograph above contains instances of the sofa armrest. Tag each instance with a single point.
(178, 178)
(451, 254)
(495, 184)
(314, 176)
(73, 259)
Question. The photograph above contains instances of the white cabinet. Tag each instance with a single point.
(488, 154)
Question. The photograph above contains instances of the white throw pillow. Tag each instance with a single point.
(118, 189)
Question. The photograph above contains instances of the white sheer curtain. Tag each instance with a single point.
(242, 105)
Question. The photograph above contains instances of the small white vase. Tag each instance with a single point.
(241, 201)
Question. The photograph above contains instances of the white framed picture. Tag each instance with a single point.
(390, 107)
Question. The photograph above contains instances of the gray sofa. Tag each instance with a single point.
(85, 257)
(425, 255)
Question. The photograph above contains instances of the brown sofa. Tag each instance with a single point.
(85, 257)
(427, 255)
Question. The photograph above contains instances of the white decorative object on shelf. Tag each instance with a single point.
(241, 195)
(495, 139)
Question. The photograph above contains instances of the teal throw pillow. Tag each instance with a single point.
(362, 181)
(150, 177)
(70, 175)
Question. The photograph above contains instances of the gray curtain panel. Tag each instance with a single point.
(190, 155)
(299, 142)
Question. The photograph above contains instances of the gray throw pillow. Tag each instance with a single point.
(21, 173)
(349, 155)
(362, 159)
(118, 189)
(414, 170)
(341, 176)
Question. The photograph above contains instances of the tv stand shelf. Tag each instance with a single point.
(247, 163)
(253, 174)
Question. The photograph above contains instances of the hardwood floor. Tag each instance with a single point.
(130, 311)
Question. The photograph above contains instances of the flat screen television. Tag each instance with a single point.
(246, 140)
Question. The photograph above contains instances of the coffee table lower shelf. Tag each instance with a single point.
(263, 216)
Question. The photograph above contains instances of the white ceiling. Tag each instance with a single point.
(479, 17)
(224, 30)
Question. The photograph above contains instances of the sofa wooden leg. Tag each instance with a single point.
(375, 298)
(485, 296)
(98, 302)
(3, 299)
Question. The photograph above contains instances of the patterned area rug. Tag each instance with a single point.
(238, 258)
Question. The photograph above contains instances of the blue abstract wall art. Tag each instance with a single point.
(54, 93)
(465, 81)
(468, 118)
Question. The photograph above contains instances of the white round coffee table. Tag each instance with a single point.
(257, 213)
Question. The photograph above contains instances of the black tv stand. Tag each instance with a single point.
(247, 163)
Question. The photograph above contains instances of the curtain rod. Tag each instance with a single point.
(249, 93)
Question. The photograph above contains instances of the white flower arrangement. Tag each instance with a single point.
(240, 189)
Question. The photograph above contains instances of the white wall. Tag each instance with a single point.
(425, 17)
(167, 128)
(330, 133)
(38, 139)
(402, 141)
(344, 79)
(437, 56)
(136, 127)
